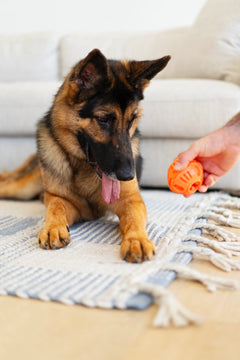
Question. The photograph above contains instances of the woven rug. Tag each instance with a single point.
(90, 272)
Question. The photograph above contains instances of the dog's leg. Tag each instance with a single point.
(60, 214)
(131, 210)
(24, 182)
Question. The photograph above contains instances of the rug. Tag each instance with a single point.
(90, 272)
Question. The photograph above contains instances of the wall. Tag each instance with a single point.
(98, 15)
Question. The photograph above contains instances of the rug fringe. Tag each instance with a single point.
(219, 244)
(227, 201)
(219, 260)
(212, 283)
(223, 216)
(228, 248)
(170, 310)
(215, 231)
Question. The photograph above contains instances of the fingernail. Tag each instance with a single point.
(203, 189)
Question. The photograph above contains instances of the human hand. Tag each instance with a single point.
(218, 152)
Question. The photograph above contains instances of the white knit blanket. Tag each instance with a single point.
(90, 272)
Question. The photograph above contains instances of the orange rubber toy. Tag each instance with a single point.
(186, 181)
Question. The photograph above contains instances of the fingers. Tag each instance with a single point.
(209, 180)
(185, 157)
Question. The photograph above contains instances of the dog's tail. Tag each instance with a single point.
(23, 183)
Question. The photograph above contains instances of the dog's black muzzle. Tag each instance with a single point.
(124, 169)
(115, 162)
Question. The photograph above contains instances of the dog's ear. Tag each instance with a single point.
(141, 72)
(90, 74)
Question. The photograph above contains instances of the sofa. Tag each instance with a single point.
(198, 92)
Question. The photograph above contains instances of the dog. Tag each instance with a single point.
(88, 159)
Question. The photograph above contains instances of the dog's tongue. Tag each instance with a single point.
(110, 189)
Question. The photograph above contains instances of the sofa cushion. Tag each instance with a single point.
(29, 57)
(74, 47)
(187, 108)
(211, 47)
(22, 104)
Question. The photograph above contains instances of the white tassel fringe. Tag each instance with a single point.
(219, 260)
(227, 248)
(212, 283)
(217, 232)
(223, 216)
(171, 311)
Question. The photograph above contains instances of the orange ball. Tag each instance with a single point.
(186, 181)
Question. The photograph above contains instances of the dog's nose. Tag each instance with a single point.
(125, 173)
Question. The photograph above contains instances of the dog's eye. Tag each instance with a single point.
(105, 121)
(134, 116)
(101, 120)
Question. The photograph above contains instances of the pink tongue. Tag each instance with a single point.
(110, 189)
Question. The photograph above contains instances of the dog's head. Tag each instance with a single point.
(105, 96)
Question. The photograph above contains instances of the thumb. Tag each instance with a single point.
(185, 157)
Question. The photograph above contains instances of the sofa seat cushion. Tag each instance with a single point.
(22, 104)
(187, 108)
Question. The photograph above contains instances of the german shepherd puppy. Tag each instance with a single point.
(88, 157)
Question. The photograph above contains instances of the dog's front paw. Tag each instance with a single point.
(55, 237)
(137, 250)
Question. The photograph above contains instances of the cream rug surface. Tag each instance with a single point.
(90, 272)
